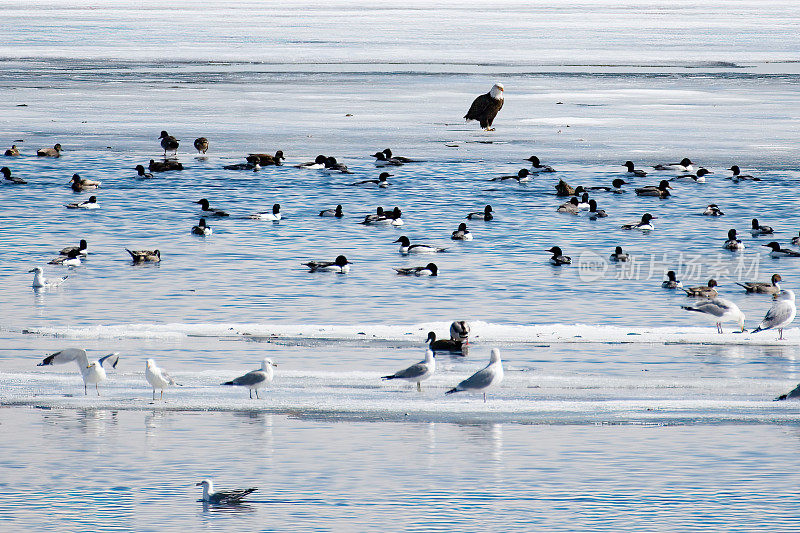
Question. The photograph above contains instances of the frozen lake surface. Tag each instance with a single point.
(619, 410)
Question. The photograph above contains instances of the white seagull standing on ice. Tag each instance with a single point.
(158, 378)
(257, 379)
(92, 373)
(718, 310)
(490, 375)
(781, 314)
(417, 372)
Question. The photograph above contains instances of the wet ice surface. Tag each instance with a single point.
(618, 409)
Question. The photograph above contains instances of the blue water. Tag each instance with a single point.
(619, 411)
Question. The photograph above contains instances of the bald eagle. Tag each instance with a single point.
(486, 106)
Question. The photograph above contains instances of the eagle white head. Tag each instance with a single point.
(497, 91)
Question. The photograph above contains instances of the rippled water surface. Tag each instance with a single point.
(619, 410)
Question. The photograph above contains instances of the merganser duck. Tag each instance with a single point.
(781, 314)
(81, 184)
(642, 225)
(758, 229)
(201, 145)
(570, 207)
(537, 166)
(141, 173)
(13, 179)
(145, 256)
(168, 143)
(383, 161)
(713, 210)
(202, 228)
(707, 291)
(164, 166)
(40, 281)
(619, 256)
(738, 176)
(443, 345)
(91, 203)
(661, 190)
(459, 331)
(523, 176)
(55, 151)
(777, 251)
(332, 212)
(382, 181)
(407, 248)
(266, 159)
(595, 213)
(331, 165)
(632, 171)
(462, 233)
(340, 265)
(71, 259)
(486, 214)
(210, 211)
(718, 310)
(558, 257)
(428, 270)
(12, 152)
(317, 164)
(685, 165)
(389, 155)
(583, 205)
(700, 177)
(81, 249)
(762, 287)
(275, 215)
(671, 282)
(733, 243)
(616, 187)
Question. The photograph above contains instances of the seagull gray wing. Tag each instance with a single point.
(777, 314)
(230, 496)
(414, 371)
(714, 307)
(479, 380)
(112, 359)
(251, 378)
(66, 356)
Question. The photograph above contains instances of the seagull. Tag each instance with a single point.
(92, 373)
(40, 281)
(222, 497)
(417, 372)
(486, 106)
(718, 310)
(257, 379)
(492, 374)
(157, 377)
(145, 256)
(781, 314)
(168, 142)
(266, 215)
(201, 145)
(428, 270)
(340, 265)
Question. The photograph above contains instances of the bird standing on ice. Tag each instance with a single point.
(157, 378)
(485, 107)
(257, 379)
(781, 314)
(417, 372)
(481, 380)
(92, 373)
